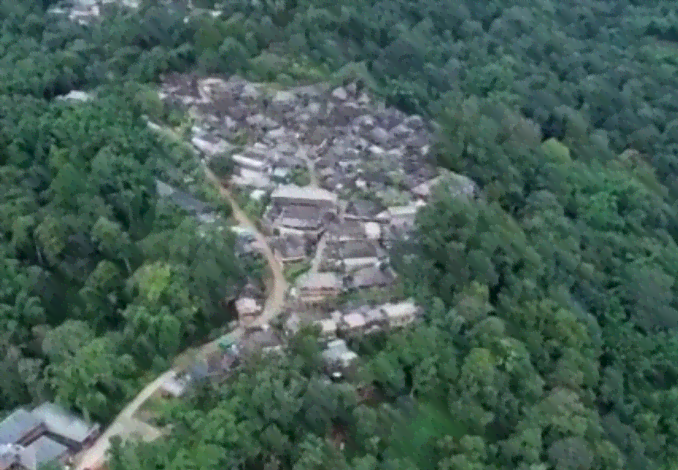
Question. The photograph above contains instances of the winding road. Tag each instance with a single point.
(125, 424)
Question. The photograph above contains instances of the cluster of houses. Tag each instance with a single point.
(47, 434)
(334, 331)
(369, 171)
(338, 327)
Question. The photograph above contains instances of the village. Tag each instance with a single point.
(331, 182)
(336, 180)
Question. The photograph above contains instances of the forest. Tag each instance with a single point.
(549, 339)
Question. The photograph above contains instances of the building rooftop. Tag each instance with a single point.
(363, 208)
(400, 309)
(62, 422)
(319, 281)
(260, 338)
(247, 306)
(374, 315)
(45, 450)
(348, 229)
(370, 277)
(327, 326)
(17, 425)
(290, 246)
(303, 193)
(337, 351)
(356, 249)
(354, 320)
(301, 217)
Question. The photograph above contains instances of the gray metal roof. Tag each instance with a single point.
(45, 450)
(61, 422)
(17, 425)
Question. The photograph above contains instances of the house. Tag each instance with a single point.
(375, 320)
(354, 255)
(400, 314)
(210, 145)
(48, 433)
(175, 386)
(363, 210)
(304, 196)
(328, 329)
(353, 324)
(45, 450)
(318, 287)
(338, 357)
(251, 178)
(289, 248)
(67, 427)
(250, 163)
(306, 219)
(40, 452)
(373, 277)
(260, 339)
(401, 216)
(248, 309)
(21, 427)
(347, 230)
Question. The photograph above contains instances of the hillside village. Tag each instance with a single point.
(368, 169)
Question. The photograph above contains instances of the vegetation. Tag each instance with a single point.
(103, 280)
(550, 332)
(301, 176)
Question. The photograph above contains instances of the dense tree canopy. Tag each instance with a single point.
(550, 331)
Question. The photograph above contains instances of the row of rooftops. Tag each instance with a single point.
(359, 320)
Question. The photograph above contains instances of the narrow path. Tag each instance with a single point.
(319, 254)
(125, 424)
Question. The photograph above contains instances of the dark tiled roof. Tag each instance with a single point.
(301, 217)
(290, 246)
(372, 277)
(363, 208)
(355, 249)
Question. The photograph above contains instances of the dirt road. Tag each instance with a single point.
(125, 424)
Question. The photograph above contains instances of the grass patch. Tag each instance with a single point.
(293, 271)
